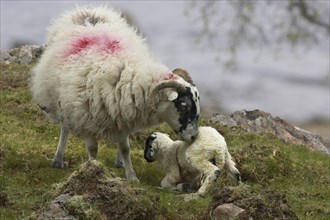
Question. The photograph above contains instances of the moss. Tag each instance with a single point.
(81, 208)
(14, 75)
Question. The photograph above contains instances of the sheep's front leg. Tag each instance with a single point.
(124, 147)
(91, 145)
(58, 160)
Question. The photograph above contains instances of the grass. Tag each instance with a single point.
(27, 139)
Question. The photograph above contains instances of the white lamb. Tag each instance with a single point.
(96, 78)
(194, 165)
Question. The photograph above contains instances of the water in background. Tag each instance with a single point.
(293, 87)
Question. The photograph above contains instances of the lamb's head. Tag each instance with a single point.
(179, 103)
(154, 145)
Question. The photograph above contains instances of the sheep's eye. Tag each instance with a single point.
(183, 106)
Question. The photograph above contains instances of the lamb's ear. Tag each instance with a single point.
(172, 95)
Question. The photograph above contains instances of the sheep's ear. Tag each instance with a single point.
(172, 95)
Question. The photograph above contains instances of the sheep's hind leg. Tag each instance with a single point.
(57, 161)
(119, 160)
(91, 145)
(124, 147)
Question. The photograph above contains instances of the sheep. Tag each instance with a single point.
(96, 78)
(191, 166)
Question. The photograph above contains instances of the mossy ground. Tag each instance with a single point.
(26, 178)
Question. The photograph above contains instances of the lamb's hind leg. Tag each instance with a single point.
(58, 160)
(211, 173)
(124, 147)
(230, 164)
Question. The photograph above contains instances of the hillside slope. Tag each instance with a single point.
(294, 175)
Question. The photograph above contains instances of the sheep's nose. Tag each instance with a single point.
(193, 137)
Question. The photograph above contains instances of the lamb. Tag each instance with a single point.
(97, 79)
(193, 165)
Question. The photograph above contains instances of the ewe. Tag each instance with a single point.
(193, 165)
(96, 78)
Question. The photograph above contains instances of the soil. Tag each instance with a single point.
(94, 193)
(258, 204)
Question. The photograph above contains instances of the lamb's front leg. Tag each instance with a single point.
(124, 147)
(170, 181)
(58, 160)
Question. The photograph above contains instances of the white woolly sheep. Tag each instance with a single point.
(194, 165)
(96, 78)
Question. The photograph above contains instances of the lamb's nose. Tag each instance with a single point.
(193, 137)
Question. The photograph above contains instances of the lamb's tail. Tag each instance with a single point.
(231, 166)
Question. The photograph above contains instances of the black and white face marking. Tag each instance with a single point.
(149, 150)
(187, 105)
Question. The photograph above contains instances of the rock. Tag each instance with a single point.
(227, 211)
(22, 55)
(4, 56)
(223, 120)
(258, 121)
(57, 209)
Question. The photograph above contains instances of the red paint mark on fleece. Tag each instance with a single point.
(99, 43)
(169, 76)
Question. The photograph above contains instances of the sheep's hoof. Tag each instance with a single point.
(133, 179)
(119, 164)
(59, 164)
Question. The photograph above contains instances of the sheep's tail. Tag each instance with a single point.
(231, 166)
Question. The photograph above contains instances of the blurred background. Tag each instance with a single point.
(267, 55)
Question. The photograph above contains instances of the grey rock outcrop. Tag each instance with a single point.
(57, 209)
(258, 121)
(22, 55)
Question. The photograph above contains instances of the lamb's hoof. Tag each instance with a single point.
(217, 173)
(238, 178)
(119, 164)
(186, 187)
(59, 164)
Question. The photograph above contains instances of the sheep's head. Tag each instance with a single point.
(153, 145)
(180, 107)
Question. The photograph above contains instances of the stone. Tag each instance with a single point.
(258, 121)
(4, 55)
(22, 55)
(227, 211)
(57, 210)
